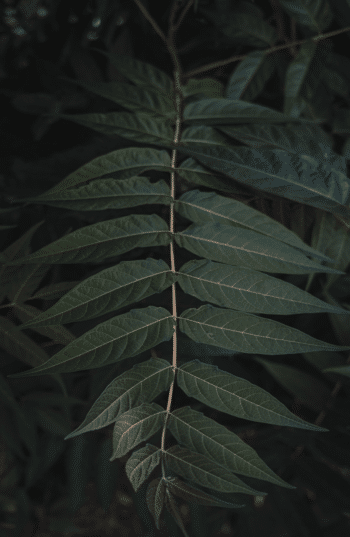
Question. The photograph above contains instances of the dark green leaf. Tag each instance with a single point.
(100, 241)
(141, 384)
(236, 396)
(116, 339)
(248, 333)
(135, 426)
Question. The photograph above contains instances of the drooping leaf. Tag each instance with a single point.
(342, 370)
(136, 127)
(295, 77)
(108, 290)
(311, 93)
(207, 86)
(203, 471)
(335, 81)
(123, 163)
(300, 139)
(194, 495)
(247, 333)
(140, 384)
(237, 246)
(221, 111)
(53, 421)
(135, 426)
(155, 497)
(118, 338)
(314, 14)
(140, 73)
(54, 290)
(19, 344)
(202, 135)
(204, 435)
(20, 247)
(330, 237)
(300, 178)
(174, 510)
(58, 334)
(140, 100)
(311, 391)
(236, 396)
(17, 249)
(196, 174)
(201, 207)
(100, 241)
(245, 26)
(250, 76)
(108, 194)
(246, 290)
(25, 280)
(141, 464)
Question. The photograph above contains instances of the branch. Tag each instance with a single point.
(220, 63)
(150, 19)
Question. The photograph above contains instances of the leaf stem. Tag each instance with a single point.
(177, 135)
(220, 63)
(150, 19)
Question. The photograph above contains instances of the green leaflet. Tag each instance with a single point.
(250, 76)
(138, 128)
(222, 111)
(236, 396)
(202, 135)
(122, 163)
(247, 290)
(246, 248)
(140, 384)
(203, 435)
(300, 178)
(19, 344)
(60, 334)
(295, 76)
(299, 139)
(108, 194)
(141, 463)
(194, 495)
(102, 240)
(343, 370)
(315, 14)
(207, 86)
(245, 26)
(155, 498)
(108, 290)
(203, 471)
(140, 100)
(201, 207)
(247, 333)
(134, 426)
(196, 174)
(116, 339)
(140, 72)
